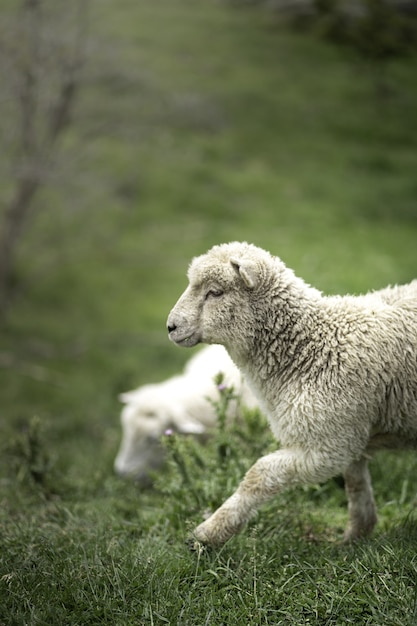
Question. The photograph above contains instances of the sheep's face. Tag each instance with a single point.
(150, 412)
(140, 449)
(219, 304)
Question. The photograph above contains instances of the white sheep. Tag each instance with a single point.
(336, 376)
(181, 403)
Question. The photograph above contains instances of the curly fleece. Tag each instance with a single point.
(335, 375)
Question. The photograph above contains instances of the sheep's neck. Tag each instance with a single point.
(288, 339)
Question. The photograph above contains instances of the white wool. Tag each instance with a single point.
(180, 404)
(335, 376)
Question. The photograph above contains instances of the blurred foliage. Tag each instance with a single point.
(378, 30)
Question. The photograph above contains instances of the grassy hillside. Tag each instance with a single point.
(197, 122)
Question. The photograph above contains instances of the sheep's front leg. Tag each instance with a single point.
(361, 504)
(269, 475)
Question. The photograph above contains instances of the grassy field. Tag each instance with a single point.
(197, 122)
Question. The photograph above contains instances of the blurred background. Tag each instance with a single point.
(137, 134)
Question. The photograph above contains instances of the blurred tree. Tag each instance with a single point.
(378, 31)
(42, 52)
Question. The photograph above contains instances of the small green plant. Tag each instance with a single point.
(222, 407)
(201, 474)
(30, 459)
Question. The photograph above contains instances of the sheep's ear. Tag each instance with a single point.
(127, 397)
(247, 270)
(190, 427)
(182, 422)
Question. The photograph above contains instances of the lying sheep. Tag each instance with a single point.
(336, 376)
(180, 403)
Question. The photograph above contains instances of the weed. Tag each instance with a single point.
(30, 459)
(202, 475)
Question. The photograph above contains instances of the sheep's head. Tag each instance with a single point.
(148, 414)
(140, 450)
(222, 299)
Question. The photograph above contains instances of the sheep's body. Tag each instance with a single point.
(180, 403)
(336, 376)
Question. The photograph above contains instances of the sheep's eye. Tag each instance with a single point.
(214, 293)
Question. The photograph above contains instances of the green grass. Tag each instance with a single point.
(197, 123)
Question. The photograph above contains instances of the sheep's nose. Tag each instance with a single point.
(171, 327)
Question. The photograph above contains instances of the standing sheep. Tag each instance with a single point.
(336, 376)
(181, 403)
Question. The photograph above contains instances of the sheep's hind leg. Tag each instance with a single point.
(361, 504)
(269, 475)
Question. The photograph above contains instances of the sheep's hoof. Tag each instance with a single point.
(194, 545)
